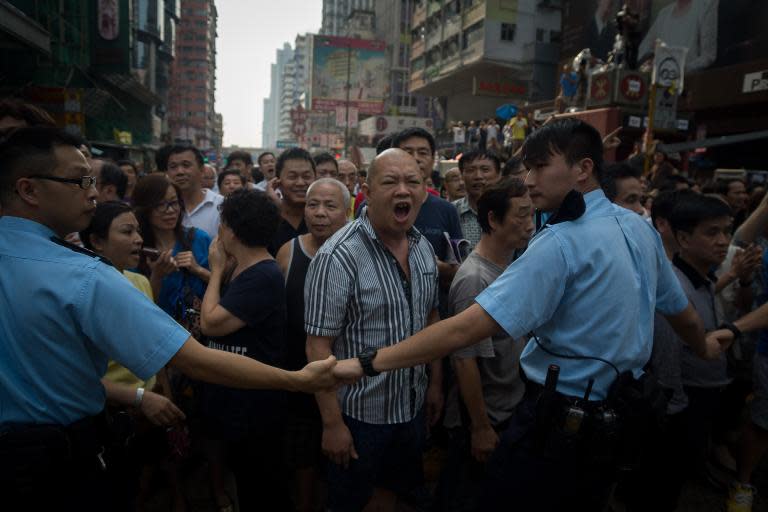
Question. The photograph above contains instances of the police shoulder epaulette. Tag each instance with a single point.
(81, 250)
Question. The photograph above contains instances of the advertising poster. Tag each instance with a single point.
(716, 32)
(340, 64)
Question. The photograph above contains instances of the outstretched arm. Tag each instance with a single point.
(236, 371)
(436, 341)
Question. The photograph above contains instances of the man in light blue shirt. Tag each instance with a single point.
(587, 287)
(66, 312)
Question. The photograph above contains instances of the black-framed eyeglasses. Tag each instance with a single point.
(167, 206)
(84, 182)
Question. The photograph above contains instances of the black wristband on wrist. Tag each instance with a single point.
(366, 361)
(731, 327)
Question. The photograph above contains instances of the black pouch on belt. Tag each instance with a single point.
(640, 406)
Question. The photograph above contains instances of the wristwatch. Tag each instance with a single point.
(731, 327)
(366, 361)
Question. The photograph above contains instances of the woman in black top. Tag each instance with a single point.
(247, 317)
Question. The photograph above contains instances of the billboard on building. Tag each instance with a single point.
(716, 32)
(344, 67)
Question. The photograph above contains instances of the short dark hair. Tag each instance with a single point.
(479, 154)
(615, 172)
(572, 138)
(161, 158)
(693, 209)
(243, 156)
(181, 148)
(121, 163)
(229, 172)
(410, 133)
(384, 144)
(496, 199)
(262, 155)
(32, 115)
(671, 182)
(102, 219)
(511, 166)
(664, 203)
(293, 154)
(256, 174)
(323, 157)
(362, 173)
(111, 174)
(722, 186)
(252, 216)
(28, 151)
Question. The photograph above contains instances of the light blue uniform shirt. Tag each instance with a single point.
(587, 287)
(64, 315)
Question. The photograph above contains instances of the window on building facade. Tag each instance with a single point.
(540, 35)
(472, 35)
(508, 31)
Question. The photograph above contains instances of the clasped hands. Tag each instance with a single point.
(328, 374)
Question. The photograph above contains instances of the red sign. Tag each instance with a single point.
(364, 107)
(348, 42)
(502, 88)
(632, 87)
(299, 115)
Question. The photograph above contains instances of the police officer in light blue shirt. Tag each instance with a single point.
(65, 313)
(586, 289)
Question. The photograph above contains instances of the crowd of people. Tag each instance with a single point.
(569, 331)
(488, 134)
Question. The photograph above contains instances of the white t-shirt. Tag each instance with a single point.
(458, 135)
(205, 216)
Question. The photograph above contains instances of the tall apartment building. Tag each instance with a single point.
(480, 54)
(336, 12)
(192, 117)
(393, 25)
(290, 76)
(302, 60)
(287, 101)
(270, 128)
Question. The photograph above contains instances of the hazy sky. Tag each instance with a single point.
(250, 31)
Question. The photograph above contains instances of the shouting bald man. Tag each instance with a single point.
(371, 285)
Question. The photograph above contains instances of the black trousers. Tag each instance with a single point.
(52, 468)
(521, 477)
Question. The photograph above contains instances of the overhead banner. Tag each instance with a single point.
(348, 69)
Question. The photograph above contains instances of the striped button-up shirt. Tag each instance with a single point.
(357, 293)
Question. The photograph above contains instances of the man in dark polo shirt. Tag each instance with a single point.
(295, 172)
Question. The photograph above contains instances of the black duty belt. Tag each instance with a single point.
(80, 440)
